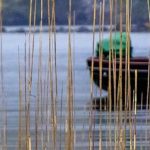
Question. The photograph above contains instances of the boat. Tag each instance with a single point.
(141, 64)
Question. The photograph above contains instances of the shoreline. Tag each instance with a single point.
(64, 29)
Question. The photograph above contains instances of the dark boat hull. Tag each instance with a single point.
(139, 64)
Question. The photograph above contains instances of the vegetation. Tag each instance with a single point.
(16, 12)
(47, 114)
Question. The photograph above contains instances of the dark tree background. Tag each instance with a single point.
(16, 12)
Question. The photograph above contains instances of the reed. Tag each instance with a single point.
(55, 72)
(50, 74)
(148, 5)
(101, 22)
(28, 70)
(61, 117)
(90, 136)
(30, 23)
(29, 143)
(25, 90)
(70, 113)
(20, 107)
(52, 78)
(38, 115)
(46, 123)
(135, 109)
(28, 74)
(50, 67)
(33, 40)
(118, 134)
(52, 70)
(110, 74)
(120, 68)
(114, 80)
(127, 63)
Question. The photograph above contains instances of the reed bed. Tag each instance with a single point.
(46, 118)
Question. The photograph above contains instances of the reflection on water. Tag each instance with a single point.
(82, 48)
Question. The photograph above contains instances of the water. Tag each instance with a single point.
(82, 49)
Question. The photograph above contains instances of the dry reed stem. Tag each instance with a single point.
(114, 81)
(100, 69)
(55, 56)
(110, 74)
(54, 59)
(126, 71)
(20, 106)
(29, 77)
(119, 91)
(40, 73)
(33, 42)
(70, 117)
(5, 128)
(129, 86)
(55, 72)
(73, 78)
(30, 23)
(50, 64)
(148, 4)
(29, 143)
(30, 65)
(38, 110)
(25, 91)
(61, 117)
(90, 138)
(127, 63)
(107, 124)
(52, 72)
(52, 69)
(135, 108)
(120, 65)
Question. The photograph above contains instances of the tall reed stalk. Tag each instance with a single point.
(101, 25)
(20, 146)
(135, 108)
(127, 103)
(120, 67)
(52, 69)
(70, 112)
(91, 80)
(114, 79)
(50, 66)
(110, 72)
(46, 123)
(39, 97)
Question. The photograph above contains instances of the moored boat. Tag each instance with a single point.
(136, 63)
(139, 64)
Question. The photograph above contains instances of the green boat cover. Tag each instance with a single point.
(116, 43)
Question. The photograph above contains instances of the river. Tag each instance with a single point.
(82, 49)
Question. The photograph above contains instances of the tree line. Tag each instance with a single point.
(16, 12)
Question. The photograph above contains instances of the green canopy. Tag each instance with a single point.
(116, 43)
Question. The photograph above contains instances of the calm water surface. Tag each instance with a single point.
(82, 49)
